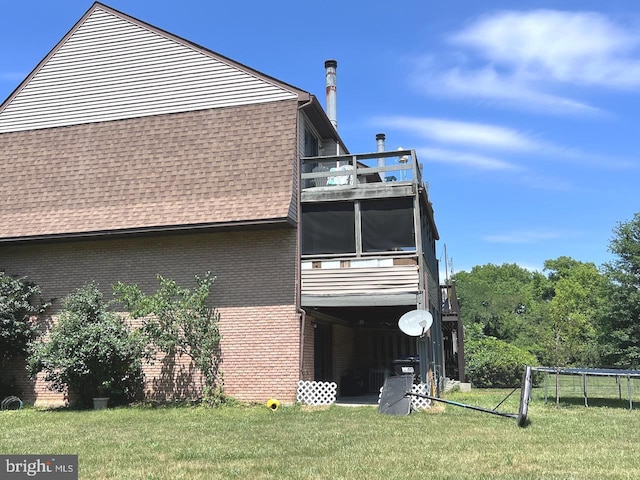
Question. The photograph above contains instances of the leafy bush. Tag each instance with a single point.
(179, 320)
(18, 306)
(496, 363)
(90, 351)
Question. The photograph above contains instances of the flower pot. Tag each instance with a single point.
(100, 403)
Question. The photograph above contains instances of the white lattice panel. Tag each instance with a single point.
(316, 393)
(417, 403)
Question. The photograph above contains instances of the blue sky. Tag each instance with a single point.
(524, 114)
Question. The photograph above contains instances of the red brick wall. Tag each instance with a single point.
(26, 388)
(260, 352)
(254, 291)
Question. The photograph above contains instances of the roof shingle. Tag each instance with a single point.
(205, 167)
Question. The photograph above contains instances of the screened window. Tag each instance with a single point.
(328, 228)
(310, 144)
(387, 225)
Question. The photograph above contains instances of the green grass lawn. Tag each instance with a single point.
(337, 442)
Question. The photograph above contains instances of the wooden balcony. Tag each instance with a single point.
(368, 236)
(370, 175)
(361, 282)
(449, 297)
(453, 332)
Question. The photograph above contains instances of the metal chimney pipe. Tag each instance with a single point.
(380, 137)
(330, 69)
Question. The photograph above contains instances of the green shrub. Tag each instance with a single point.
(90, 351)
(493, 363)
(179, 320)
(18, 307)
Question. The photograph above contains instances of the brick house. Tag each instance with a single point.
(130, 152)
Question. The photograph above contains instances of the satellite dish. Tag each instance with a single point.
(416, 322)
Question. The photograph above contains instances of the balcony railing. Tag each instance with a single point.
(353, 171)
(449, 299)
(360, 276)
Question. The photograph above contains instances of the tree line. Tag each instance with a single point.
(573, 313)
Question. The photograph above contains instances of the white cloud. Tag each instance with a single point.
(481, 162)
(575, 47)
(534, 60)
(525, 236)
(582, 158)
(503, 90)
(517, 174)
(484, 137)
(463, 133)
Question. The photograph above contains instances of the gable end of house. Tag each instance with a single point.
(111, 66)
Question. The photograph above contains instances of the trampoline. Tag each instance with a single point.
(590, 372)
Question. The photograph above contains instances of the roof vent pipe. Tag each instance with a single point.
(330, 69)
(381, 162)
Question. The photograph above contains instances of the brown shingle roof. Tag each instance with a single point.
(206, 167)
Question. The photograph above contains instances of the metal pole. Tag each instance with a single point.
(546, 386)
(629, 388)
(330, 75)
(505, 398)
(471, 407)
(619, 383)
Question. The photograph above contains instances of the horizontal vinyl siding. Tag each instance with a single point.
(111, 69)
(344, 281)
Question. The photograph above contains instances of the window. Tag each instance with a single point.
(387, 225)
(328, 228)
(310, 143)
(310, 148)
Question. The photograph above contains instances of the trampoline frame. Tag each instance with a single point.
(587, 372)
